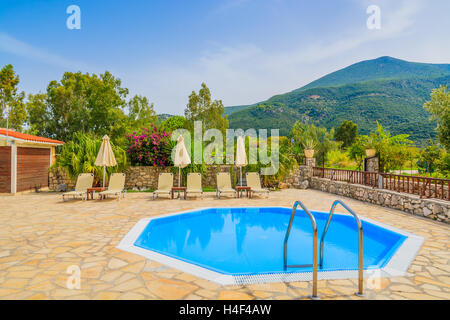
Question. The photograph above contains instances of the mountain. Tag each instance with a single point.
(382, 68)
(386, 89)
(164, 116)
(230, 110)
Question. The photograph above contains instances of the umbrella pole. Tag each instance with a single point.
(179, 177)
(104, 176)
(241, 175)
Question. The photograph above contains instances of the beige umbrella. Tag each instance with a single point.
(241, 156)
(105, 156)
(182, 158)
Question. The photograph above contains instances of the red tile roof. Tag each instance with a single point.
(28, 137)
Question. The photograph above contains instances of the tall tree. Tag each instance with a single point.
(321, 138)
(439, 107)
(429, 157)
(81, 103)
(393, 150)
(201, 108)
(140, 112)
(10, 97)
(37, 113)
(173, 123)
(346, 133)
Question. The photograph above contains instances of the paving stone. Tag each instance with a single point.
(210, 294)
(169, 289)
(115, 263)
(38, 296)
(233, 295)
(207, 284)
(107, 295)
(272, 287)
(416, 296)
(7, 291)
(403, 288)
(262, 294)
(185, 277)
(420, 279)
(134, 268)
(15, 283)
(111, 276)
(131, 296)
(283, 297)
(38, 243)
(4, 253)
(127, 285)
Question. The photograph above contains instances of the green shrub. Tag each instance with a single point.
(78, 156)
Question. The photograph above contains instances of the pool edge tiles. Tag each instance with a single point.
(397, 265)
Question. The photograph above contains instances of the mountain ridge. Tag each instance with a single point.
(385, 89)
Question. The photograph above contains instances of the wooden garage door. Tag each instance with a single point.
(5, 169)
(32, 168)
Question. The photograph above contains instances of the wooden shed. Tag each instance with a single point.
(24, 161)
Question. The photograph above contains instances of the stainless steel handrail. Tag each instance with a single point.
(314, 265)
(360, 241)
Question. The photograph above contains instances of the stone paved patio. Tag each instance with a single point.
(40, 237)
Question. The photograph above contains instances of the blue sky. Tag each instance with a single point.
(245, 50)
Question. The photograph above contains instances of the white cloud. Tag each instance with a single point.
(246, 73)
(16, 47)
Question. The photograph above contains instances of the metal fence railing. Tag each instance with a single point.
(424, 187)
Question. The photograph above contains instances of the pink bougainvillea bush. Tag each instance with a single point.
(151, 147)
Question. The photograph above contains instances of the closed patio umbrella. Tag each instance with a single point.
(182, 158)
(105, 157)
(241, 156)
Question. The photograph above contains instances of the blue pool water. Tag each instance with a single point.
(241, 241)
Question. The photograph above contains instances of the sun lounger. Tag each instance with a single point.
(165, 184)
(224, 184)
(116, 186)
(194, 184)
(84, 182)
(254, 182)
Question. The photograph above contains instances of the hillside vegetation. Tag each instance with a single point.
(387, 90)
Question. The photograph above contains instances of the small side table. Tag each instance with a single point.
(179, 189)
(241, 189)
(91, 191)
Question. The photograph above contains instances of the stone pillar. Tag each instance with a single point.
(372, 164)
(310, 162)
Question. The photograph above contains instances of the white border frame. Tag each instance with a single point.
(396, 266)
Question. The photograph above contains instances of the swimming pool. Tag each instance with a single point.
(237, 243)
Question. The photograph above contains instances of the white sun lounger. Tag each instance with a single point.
(224, 184)
(165, 184)
(84, 182)
(116, 186)
(254, 182)
(194, 184)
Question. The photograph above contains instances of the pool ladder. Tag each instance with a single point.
(314, 226)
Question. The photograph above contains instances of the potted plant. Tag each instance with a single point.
(309, 146)
(371, 146)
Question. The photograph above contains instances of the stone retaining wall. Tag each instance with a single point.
(299, 178)
(57, 176)
(431, 208)
(145, 178)
(302, 178)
